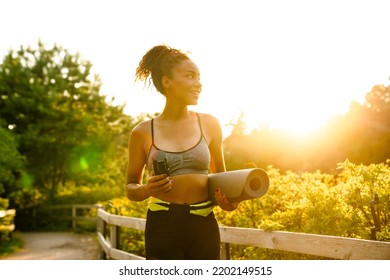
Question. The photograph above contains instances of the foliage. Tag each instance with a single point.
(131, 240)
(5, 234)
(4, 204)
(362, 135)
(11, 161)
(62, 142)
(10, 246)
(67, 131)
(319, 203)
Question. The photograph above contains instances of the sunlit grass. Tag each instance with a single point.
(10, 246)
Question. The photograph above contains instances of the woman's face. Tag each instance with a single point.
(184, 85)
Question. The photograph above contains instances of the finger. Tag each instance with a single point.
(168, 187)
(221, 196)
(158, 178)
(164, 185)
(163, 181)
(223, 201)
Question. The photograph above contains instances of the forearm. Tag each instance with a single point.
(136, 192)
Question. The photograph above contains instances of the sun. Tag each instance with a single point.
(301, 124)
(298, 120)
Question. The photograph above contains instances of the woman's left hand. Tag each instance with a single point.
(223, 202)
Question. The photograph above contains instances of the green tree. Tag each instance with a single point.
(11, 162)
(65, 126)
(365, 129)
(377, 107)
(362, 135)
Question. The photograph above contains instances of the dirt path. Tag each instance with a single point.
(56, 246)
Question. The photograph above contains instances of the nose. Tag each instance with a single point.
(198, 83)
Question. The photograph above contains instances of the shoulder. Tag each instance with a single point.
(209, 120)
(142, 129)
(211, 127)
(140, 137)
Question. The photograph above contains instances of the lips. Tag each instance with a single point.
(196, 95)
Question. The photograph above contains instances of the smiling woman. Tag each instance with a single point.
(179, 148)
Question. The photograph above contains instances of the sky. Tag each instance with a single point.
(287, 64)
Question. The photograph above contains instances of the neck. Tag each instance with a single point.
(174, 112)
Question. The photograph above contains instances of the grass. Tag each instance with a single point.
(10, 245)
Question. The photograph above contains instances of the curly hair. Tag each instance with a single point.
(158, 62)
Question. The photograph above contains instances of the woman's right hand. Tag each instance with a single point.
(158, 184)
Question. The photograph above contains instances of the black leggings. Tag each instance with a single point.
(179, 235)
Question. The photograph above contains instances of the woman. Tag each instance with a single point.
(180, 220)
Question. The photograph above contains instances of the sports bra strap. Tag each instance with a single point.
(200, 124)
(152, 129)
(151, 124)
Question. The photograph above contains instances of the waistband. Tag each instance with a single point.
(201, 209)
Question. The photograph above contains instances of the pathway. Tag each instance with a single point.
(57, 246)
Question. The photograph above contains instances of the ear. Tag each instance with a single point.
(166, 82)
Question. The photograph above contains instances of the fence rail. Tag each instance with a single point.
(334, 247)
(56, 214)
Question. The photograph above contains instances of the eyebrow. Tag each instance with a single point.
(192, 72)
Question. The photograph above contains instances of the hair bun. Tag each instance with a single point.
(150, 61)
(156, 63)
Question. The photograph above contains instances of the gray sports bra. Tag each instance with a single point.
(195, 160)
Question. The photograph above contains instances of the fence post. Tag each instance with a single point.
(101, 228)
(225, 251)
(375, 216)
(34, 214)
(74, 214)
(114, 236)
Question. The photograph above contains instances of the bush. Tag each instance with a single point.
(5, 234)
(336, 204)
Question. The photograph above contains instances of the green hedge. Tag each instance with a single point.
(329, 204)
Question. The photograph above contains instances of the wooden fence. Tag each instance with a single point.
(67, 213)
(108, 228)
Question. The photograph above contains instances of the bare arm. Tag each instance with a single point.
(216, 149)
(135, 166)
(218, 162)
(135, 190)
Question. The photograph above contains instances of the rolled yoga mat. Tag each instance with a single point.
(239, 185)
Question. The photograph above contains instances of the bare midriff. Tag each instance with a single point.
(187, 189)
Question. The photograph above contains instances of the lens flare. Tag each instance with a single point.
(83, 163)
